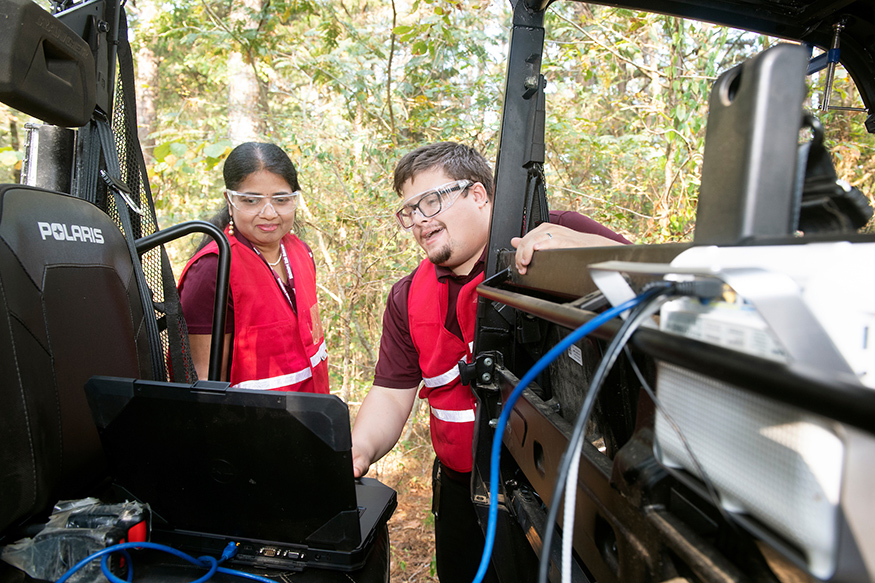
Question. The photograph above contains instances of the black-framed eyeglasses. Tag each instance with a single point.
(431, 202)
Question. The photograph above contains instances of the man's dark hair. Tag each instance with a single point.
(457, 161)
(251, 157)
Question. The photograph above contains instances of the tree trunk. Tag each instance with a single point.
(146, 82)
(245, 122)
(16, 146)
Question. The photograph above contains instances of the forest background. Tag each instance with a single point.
(346, 87)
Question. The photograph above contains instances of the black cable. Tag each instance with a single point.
(709, 484)
(636, 317)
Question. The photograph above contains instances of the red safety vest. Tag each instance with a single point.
(274, 348)
(452, 403)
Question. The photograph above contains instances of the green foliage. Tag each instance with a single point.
(348, 87)
(627, 104)
(10, 157)
(344, 114)
(846, 137)
(12, 140)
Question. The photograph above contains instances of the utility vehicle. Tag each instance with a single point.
(731, 440)
(722, 475)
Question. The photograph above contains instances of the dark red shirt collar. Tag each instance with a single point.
(246, 243)
(445, 273)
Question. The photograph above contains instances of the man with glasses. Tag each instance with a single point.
(429, 325)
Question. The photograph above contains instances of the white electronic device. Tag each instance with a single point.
(810, 307)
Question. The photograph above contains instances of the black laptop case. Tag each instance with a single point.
(270, 470)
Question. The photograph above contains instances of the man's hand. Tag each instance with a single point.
(378, 425)
(550, 236)
(361, 462)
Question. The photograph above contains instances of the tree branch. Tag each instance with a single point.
(389, 75)
(652, 74)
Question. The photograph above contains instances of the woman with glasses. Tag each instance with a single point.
(273, 337)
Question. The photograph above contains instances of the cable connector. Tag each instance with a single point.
(701, 288)
(229, 551)
(659, 284)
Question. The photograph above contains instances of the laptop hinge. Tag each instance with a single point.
(205, 386)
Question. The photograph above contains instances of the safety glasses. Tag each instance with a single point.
(282, 203)
(431, 202)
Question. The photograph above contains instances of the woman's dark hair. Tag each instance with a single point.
(219, 220)
(246, 159)
(254, 156)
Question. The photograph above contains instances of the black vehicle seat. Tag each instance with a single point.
(69, 309)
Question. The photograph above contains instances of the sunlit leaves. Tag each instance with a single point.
(9, 157)
(640, 83)
(346, 94)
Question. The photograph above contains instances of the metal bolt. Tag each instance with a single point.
(493, 423)
(487, 361)
(486, 377)
(103, 26)
(531, 82)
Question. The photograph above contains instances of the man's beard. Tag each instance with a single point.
(441, 256)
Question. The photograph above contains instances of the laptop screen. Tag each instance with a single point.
(232, 462)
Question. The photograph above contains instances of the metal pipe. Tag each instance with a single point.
(48, 157)
(831, 66)
(843, 108)
(561, 314)
(220, 306)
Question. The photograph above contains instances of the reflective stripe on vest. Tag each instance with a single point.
(320, 355)
(277, 382)
(452, 404)
(464, 416)
(442, 379)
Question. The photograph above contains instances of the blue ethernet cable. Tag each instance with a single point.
(507, 407)
(210, 563)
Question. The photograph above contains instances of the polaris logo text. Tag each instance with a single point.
(62, 232)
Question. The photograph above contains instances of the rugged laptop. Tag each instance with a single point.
(270, 470)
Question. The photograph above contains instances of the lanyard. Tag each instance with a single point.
(276, 276)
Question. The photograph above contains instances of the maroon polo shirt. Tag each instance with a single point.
(199, 293)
